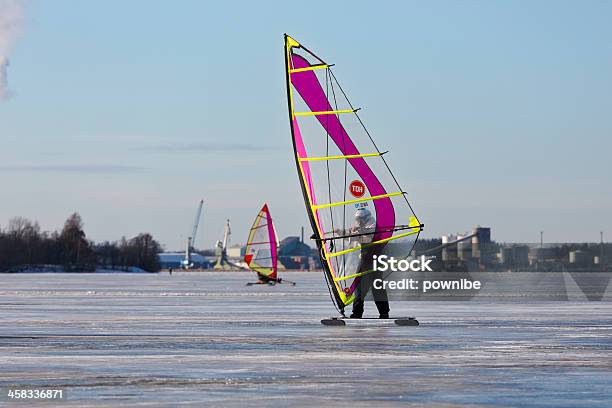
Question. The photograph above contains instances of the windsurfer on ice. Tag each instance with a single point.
(362, 233)
(266, 279)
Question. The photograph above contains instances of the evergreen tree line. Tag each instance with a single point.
(23, 244)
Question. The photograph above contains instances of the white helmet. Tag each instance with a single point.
(362, 216)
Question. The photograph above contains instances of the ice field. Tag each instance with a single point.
(206, 339)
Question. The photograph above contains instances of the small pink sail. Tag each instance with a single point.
(262, 245)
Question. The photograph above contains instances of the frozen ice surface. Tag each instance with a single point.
(206, 339)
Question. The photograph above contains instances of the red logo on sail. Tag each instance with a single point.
(357, 188)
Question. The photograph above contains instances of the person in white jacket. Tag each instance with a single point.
(361, 234)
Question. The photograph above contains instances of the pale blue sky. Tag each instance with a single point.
(131, 111)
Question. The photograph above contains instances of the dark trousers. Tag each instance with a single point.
(264, 278)
(380, 295)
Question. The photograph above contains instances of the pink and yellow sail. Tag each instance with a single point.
(261, 254)
(341, 172)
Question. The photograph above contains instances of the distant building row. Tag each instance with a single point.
(478, 252)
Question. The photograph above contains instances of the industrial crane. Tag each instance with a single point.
(223, 263)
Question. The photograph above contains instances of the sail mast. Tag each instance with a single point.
(289, 44)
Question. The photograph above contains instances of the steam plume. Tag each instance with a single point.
(11, 19)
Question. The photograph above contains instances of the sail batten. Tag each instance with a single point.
(357, 200)
(380, 241)
(350, 156)
(328, 112)
(310, 68)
